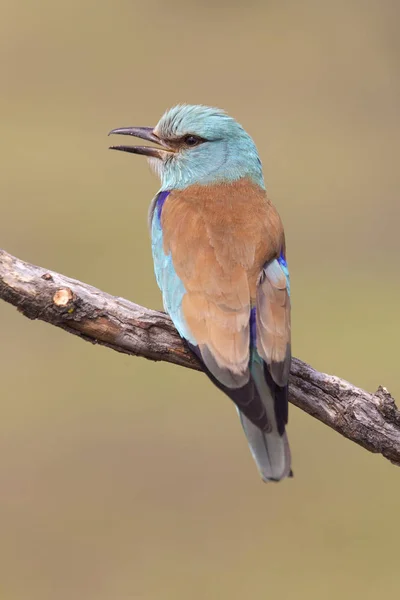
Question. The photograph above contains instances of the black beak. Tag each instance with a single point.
(144, 133)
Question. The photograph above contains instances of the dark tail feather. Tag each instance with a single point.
(270, 449)
(262, 408)
(246, 397)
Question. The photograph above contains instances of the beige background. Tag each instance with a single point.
(121, 478)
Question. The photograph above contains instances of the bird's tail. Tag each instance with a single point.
(269, 446)
(270, 449)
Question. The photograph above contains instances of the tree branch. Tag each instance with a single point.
(371, 420)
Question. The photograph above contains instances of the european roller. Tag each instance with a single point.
(220, 262)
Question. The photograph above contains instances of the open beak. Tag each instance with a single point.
(144, 133)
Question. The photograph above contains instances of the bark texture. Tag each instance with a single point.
(371, 420)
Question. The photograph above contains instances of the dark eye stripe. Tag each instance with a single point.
(192, 140)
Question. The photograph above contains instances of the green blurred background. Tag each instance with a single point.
(121, 478)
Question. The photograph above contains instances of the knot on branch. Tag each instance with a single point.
(64, 297)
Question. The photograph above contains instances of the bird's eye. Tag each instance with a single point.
(192, 140)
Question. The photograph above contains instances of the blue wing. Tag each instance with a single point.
(285, 269)
(171, 286)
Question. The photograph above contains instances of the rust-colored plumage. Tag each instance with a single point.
(220, 237)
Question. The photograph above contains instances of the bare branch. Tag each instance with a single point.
(371, 420)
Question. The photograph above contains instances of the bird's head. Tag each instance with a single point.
(196, 145)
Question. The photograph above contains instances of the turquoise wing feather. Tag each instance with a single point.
(171, 286)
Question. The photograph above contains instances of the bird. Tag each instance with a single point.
(219, 255)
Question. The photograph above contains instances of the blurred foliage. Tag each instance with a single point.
(122, 478)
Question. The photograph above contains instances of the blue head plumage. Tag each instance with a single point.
(199, 144)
